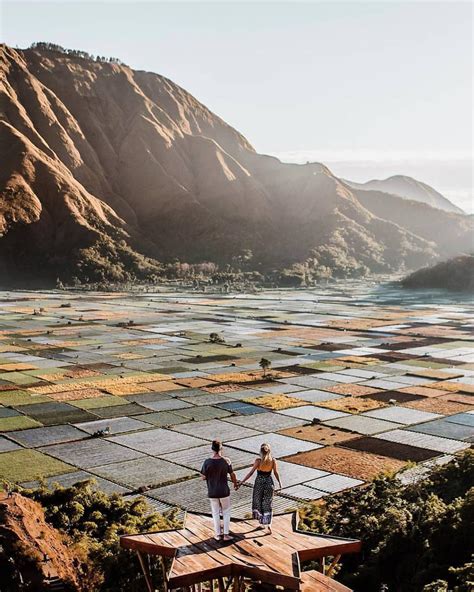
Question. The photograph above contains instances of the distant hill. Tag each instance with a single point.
(455, 274)
(409, 188)
(110, 173)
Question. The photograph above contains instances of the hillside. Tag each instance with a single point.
(33, 554)
(408, 188)
(456, 274)
(109, 172)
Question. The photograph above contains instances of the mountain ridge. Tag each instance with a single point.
(132, 161)
(408, 188)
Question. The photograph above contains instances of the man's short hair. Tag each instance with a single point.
(216, 445)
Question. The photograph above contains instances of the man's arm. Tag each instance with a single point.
(203, 472)
(233, 478)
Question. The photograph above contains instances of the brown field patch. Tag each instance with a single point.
(352, 404)
(423, 391)
(276, 402)
(459, 398)
(438, 405)
(163, 386)
(363, 360)
(222, 388)
(126, 389)
(16, 367)
(354, 390)
(453, 387)
(357, 464)
(433, 373)
(77, 395)
(318, 433)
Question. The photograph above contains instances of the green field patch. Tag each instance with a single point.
(18, 422)
(17, 398)
(26, 465)
(324, 366)
(424, 364)
(18, 378)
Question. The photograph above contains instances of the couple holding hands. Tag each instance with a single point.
(216, 470)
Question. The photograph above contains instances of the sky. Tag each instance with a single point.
(369, 88)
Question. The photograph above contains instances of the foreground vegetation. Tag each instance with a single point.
(416, 538)
(94, 521)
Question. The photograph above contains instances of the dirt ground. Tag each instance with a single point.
(438, 405)
(318, 433)
(352, 404)
(22, 526)
(360, 465)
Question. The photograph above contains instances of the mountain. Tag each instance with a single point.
(455, 274)
(110, 172)
(408, 188)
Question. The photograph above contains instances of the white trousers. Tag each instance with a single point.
(220, 505)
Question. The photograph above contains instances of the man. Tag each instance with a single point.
(215, 471)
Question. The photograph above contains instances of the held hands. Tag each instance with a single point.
(237, 485)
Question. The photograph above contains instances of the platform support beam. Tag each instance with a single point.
(146, 572)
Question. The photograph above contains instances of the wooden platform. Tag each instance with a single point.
(260, 557)
(314, 581)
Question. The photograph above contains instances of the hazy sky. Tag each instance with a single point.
(369, 88)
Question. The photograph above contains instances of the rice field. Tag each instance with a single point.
(128, 389)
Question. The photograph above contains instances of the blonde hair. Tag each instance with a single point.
(266, 453)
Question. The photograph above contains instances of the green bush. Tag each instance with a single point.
(94, 521)
(413, 536)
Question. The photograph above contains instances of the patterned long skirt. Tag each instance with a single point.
(262, 499)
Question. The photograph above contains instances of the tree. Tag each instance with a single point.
(415, 537)
(264, 365)
(94, 522)
(216, 338)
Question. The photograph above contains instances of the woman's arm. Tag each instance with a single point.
(251, 472)
(277, 474)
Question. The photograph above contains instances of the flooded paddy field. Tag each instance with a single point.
(130, 389)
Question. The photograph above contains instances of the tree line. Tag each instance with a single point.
(76, 53)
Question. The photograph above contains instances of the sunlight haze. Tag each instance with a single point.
(371, 89)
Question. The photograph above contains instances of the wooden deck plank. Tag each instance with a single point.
(313, 581)
(272, 558)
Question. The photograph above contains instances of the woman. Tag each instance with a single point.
(263, 487)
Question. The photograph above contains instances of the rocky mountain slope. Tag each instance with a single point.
(408, 188)
(33, 554)
(109, 171)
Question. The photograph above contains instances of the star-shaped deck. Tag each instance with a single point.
(274, 559)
